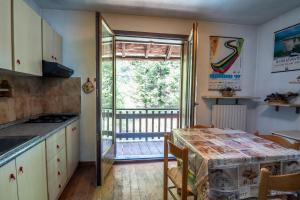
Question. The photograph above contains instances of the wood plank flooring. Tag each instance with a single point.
(140, 149)
(138, 181)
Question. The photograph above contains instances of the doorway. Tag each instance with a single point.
(107, 117)
(148, 74)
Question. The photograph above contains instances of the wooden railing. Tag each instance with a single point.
(145, 123)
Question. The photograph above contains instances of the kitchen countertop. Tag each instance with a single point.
(41, 130)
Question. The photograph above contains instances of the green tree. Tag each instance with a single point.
(157, 83)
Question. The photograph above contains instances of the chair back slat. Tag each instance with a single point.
(175, 151)
(284, 183)
(280, 140)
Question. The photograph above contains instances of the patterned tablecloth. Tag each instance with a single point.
(225, 164)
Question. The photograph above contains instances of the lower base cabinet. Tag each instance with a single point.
(72, 142)
(42, 172)
(25, 177)
(8, 181)
(57, 175)
(31, 174)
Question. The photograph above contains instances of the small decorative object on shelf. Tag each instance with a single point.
(5, 89)
(227, 92)
(280, 98)
(88, 86)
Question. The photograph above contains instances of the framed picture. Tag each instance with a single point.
(287, 49)
(225, 62)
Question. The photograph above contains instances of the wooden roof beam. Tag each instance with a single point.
(169, 52)
(147, 51)
(123, 50)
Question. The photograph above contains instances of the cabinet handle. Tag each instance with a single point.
(55, 58)
(21, 170)
(52, 57)
(59, 186)
(74, 129)
(18, 62)
(58, 160)
(58, 173)
(12, 177)
(57, 146)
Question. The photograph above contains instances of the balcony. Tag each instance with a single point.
(139, 132)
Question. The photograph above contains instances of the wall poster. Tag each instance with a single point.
(225, 63)
(287, 49)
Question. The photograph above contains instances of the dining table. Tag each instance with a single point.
(225, 163)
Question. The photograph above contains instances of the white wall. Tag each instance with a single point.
(266, 82)
(79, 52)
(248, 57)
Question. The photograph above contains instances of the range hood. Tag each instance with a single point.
(53, 69)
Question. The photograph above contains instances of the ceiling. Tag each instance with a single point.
(231, 11)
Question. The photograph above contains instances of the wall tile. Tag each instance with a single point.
(36, 95)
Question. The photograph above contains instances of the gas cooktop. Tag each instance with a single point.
(51, 119)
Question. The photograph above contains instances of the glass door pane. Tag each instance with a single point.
(106, 101)
(188, 79)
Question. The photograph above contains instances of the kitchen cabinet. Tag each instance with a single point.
(58, 47)
(52, 44)
(57, 174)
(27, 39)
(8, 181)
(72, 135)
(48, 44)
(56, 164)
(31, 174)
(5, 35)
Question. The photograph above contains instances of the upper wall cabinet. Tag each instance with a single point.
(52, 44)
(5, 35)
(27, 39)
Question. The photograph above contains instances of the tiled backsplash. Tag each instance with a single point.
(36, 95)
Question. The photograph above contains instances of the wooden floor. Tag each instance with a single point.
(140, 149)
(125, 182)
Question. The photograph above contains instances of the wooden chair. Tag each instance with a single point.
(280, 140)
(203, 126)
(178, 175)
(284, 183)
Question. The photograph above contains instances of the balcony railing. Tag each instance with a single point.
(145, 123)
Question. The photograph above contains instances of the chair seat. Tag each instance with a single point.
(175, 175)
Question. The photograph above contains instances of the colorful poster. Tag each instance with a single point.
(287, 49)
(225, 63)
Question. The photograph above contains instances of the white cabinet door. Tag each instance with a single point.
(5, 35)
(72, 147)
(48, 42)
(58, 47)
(8, 181)
(27, 31)
(31, 174)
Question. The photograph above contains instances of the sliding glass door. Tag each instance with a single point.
(105, 99)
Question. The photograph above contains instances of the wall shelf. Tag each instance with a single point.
(278, 105)
(236, 98)
(294, 82)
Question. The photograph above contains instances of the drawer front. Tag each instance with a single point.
(55, 143)
(57, 174)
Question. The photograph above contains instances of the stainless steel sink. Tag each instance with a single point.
(10, 142)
